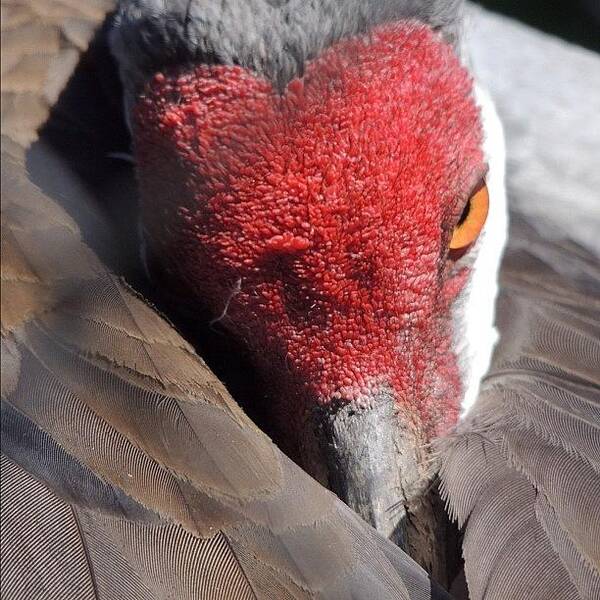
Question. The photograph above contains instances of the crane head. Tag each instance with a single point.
(321, 221)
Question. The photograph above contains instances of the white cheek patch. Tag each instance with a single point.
(474, 331)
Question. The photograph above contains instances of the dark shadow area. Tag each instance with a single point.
(73, 160)
(429, 513)
(576, 21)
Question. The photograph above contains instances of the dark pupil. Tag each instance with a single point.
(465, 213)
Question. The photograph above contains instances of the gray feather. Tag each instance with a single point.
(522, 472)
(272, 38)
(546, 92)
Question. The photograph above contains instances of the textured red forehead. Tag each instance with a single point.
(315, 220)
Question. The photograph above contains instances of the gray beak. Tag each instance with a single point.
(372, 454)
(374, 461)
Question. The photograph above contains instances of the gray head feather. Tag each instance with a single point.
(274, 38)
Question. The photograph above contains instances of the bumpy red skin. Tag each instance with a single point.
(319, 218)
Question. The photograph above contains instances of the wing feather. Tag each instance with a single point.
(53, 544)
(522, 472)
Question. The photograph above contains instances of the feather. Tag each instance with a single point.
(41, 42)
(523, 469)
(53, 544)
(272, 38)
(521, 474)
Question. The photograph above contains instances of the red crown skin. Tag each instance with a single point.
(318, 219)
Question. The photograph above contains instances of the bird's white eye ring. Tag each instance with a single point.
(472, 219)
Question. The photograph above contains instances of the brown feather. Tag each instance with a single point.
(41, 42)
(53, 544)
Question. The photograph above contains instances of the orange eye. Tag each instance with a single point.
(471, 221)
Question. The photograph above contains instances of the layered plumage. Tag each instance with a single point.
(523, 469)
